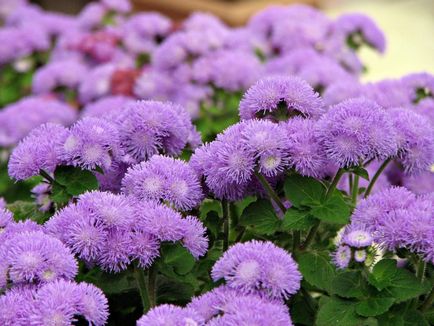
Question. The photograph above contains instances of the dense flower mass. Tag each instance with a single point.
(191, 173)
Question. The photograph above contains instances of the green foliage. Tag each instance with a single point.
(261, 217)
(75, 180)
(317, 269)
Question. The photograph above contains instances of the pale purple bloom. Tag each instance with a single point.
(306, 154)
(34, 257)
(280, 98)
(259, 268)
(357, 237)
(359, 28)
(37, 152)
(111, 179)
(415, 138)
(6, 218)
(62, 302)
(168, 314)
(422, 183)
(14, 307)
(90, 143)
(150, 127)
(166, 179)
(41, 194)
(292, 62)
(121, 6)
(154, 84)
(342, 257)
(106, 107)
(14, 228)
(97, 83)
(91, 15)
(143, 32)
(356, 130)
(389, 93)
(2, 203)
(421, 84)
(199, 21)
(360, 255)
(340, 91)
(58, 74)
(19, 118)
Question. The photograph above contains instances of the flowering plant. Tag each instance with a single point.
(206, 175)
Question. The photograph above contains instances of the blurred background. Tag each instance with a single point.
(408, 25)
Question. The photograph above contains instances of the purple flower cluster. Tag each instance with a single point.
(164, 179)
(396, 218)
(113, 230)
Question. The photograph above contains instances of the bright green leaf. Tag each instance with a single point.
(404, 285)
(337, 312)
(335, 210)
(361, 172)
(374, 306)
(383, 273)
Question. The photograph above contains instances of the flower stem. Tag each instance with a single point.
(225, 210)
(311, 235)
(428, 301)
(152, 289)
(376, 175)
(355, 190)
(334, 183)
(47, 176)
(141, 285)
(270, 191)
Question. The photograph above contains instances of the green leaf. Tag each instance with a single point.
(317, 269)
(213, 223)
(374, 306)
(404, 285)
(361, 172)
(303, 191)
(23, 210)
(76, 180)
(402, 317)
(335, 210)
(178, 257)
(261, 216)
(383, 273)
(338, 312)
(295, 219)
(59, 194)
(176, 292)
(349, 284)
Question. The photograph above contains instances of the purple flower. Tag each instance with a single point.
(62, 301)
(36, 152)
(389, 93)
(258, 267)
(280, 98)
(168, 314)
(306, 154)
(421, 84)
(357, 237)
(358, 29)
(148, 127)
(164, 178)
(422, 183)
(6, 218)
(91, 142)
(154, 84)
(415, 138)
(356, 130)
(19, 118)
(13, 228)
(360, 255)
(34, 257)
(121, 6)
(97, 83)
(58, 74)
(341, 91)
(106, 107)
(41, 193)
(143, 32)
(251, 310)
(14, 307)
(341, 257)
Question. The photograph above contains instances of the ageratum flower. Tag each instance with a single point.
(6, 218)
(342, 257)
(19, 118)
(359, 28)
(37, 152)
(107, 107)
(15, 305)
(306, 154)
(280, 98)
(61, 302)
(168, 314)
(58, 74)
(422, 183)
(356, 130)
(166, 179)
(90, 143)
(12, 228)
(97, 83)
(257, 267)
(415, 137)
(389, 93)
(421, 86)
(356, 237)
(34, 257)
(251, 310)
(166, 224)
(147, 128)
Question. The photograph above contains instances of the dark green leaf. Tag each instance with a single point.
(295, 219)
(402, 317)
(337, 312)
(170, 291)
(178, 257)
(349, 284)
(374, 306)
(303, 191)
(23, 210)
(383, 273)
(59, 195)
(213, 223)
(335, 210)
(361, 172)
(261, 216)
(317, 269)
(404, 285)
(76, 180)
